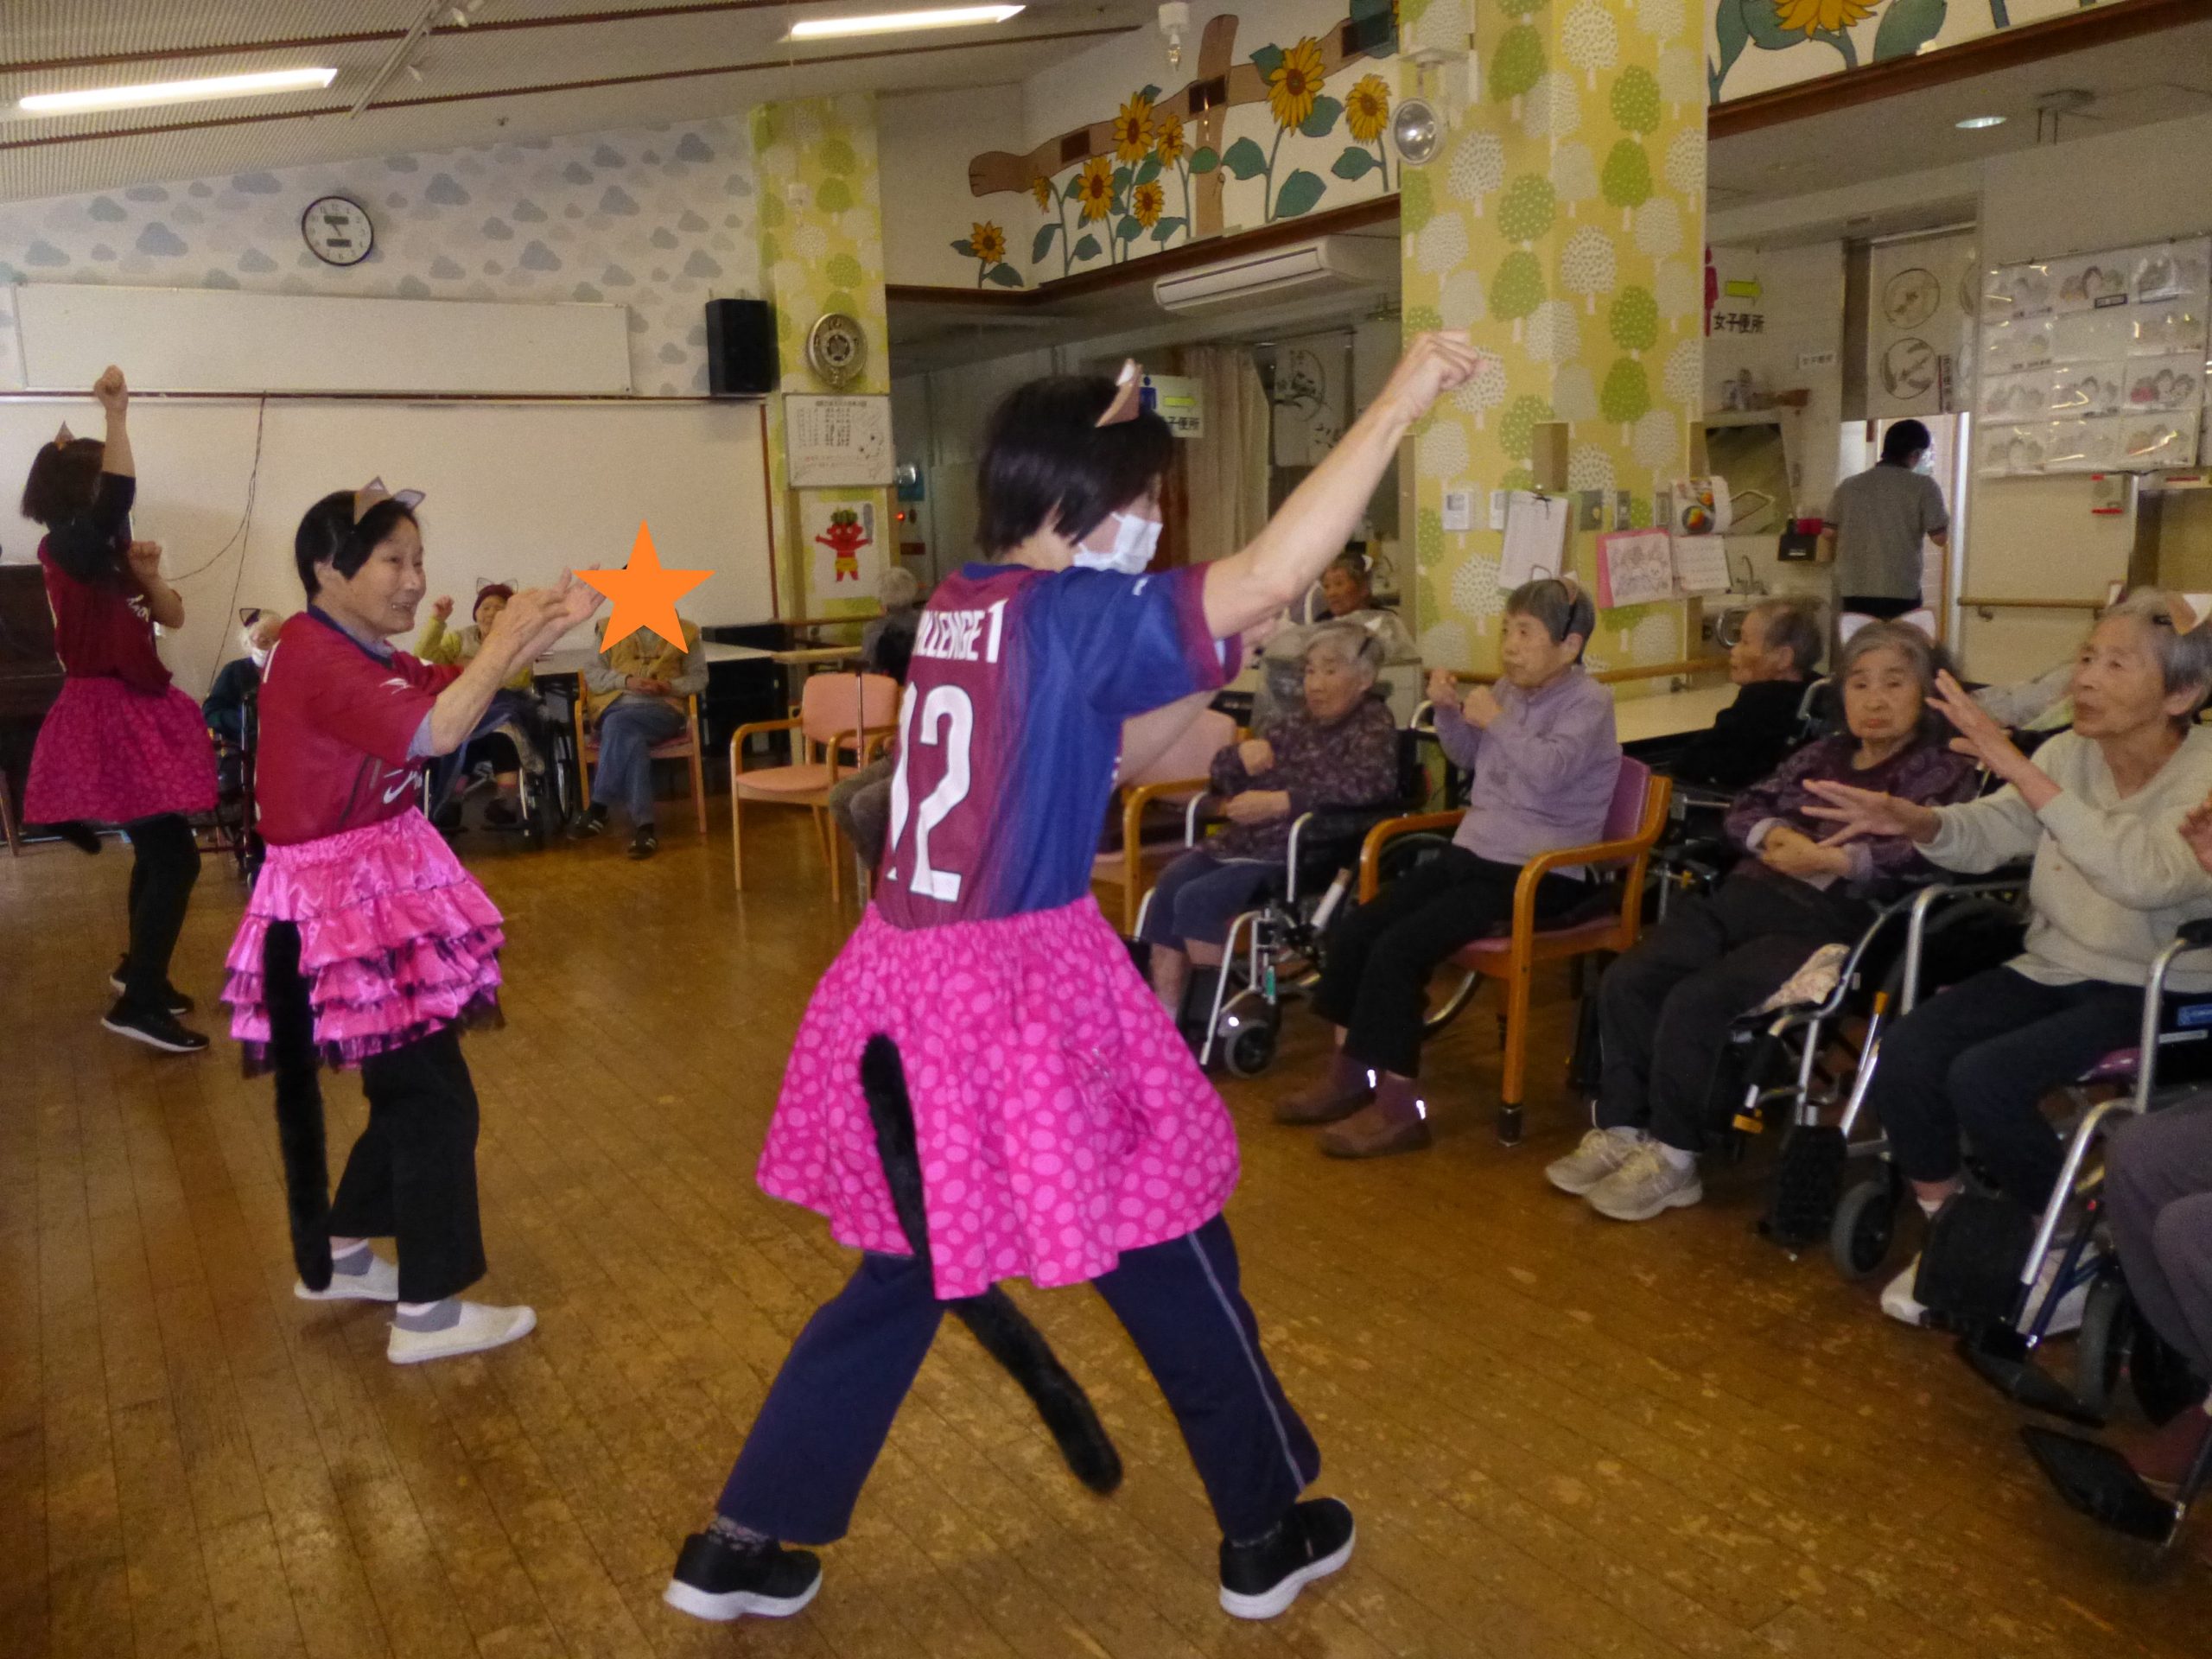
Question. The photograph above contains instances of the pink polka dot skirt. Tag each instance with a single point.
(1059, 1117)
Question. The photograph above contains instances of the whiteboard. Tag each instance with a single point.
(513, 491)
(225, 340)
(838, 442)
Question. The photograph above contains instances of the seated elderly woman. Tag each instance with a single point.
(1664, 1008)
(1545, 759)
(1346, 593)
(1339, 747)
(2098, 809)
(510, 737)
(224, 707)
(1776, 655)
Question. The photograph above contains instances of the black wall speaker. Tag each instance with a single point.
(740, 348)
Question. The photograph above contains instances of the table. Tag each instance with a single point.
(1669, 714)
(815, 656)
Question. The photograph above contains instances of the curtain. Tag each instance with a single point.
(1227, 468)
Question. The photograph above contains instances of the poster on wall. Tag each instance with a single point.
(1925, 296)
(838, 442)
(2096, 362)
(841, 550)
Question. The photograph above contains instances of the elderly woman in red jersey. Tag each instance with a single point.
(365, 943)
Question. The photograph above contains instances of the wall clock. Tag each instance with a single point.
(836, 348)
(337, 231)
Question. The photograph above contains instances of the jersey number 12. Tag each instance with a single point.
(947, 720)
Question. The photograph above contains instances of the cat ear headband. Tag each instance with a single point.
(1129, 396)
(374, 491)
(65, 437)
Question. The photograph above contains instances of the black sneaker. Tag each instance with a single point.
(502, 813)
(715, 1580)
(156, 1030)
(590, 821)
(1260, 1581)
(176, 1002)
(645, 843)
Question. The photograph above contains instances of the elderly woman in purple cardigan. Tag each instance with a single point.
(1664, 1008)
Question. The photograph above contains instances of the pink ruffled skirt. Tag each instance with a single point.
(107, 754)
(395, 941)
(1060, 1117)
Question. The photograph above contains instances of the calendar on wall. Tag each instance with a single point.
(838, 442)
(2095, 363)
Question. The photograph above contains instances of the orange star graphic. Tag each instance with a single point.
(645, 594)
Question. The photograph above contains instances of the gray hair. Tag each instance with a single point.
(2184, 660)
(1792, 625)
(1561, 607)
(1922, 654)
(896, 589)
(1351, 644)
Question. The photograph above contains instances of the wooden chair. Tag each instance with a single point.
(1178, 776)
(684, 747)
(1635, 821)
(838, 715)
(8, 827)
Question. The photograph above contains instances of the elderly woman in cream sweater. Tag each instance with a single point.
(2099, 810)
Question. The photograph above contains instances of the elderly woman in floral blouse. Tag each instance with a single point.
(1339, 748)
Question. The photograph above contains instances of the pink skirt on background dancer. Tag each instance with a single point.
(395, 941)
(107, 754)
(1060, 1117)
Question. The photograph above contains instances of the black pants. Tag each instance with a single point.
(831, 1406)
(411, 1177)
(1883, 610)
(1664, 1009)
(1979, 1059)
(164, 865)
(1376, 965)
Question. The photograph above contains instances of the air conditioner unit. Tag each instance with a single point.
(1325, 265)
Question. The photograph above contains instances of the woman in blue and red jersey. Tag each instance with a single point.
(121, 744)
(1062, 1131)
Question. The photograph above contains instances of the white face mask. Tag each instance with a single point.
(260, 655)
(1134, 541)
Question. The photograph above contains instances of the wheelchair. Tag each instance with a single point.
(232, 828)
(548, 787)
(1242, 1021)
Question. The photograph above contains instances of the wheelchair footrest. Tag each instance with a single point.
(2097, 1480)
(2018, 1378)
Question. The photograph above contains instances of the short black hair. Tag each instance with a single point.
(328, 535)
(1904, 441)
(64, 477)
(1048, 465)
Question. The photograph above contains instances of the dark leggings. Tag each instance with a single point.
(166, 863)
(411, 1177)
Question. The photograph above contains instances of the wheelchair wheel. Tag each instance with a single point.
(1865, 1227)
(2101, 1347)
(1247, 1037)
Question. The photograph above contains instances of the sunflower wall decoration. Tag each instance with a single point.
(985, 244)
(1848, 32)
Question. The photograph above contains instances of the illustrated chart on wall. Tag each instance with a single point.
(513, 491)
(2095, 363)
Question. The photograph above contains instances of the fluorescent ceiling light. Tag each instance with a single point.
(1976, 123)
(175, 92)
(898, 23)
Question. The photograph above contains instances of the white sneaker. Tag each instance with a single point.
(1898, 1301)
(1602, 1152)
(1648, 1184)
(378, 1282)
(480, 1327)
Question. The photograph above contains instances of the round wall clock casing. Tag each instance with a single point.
(337, 231)
(836, 348)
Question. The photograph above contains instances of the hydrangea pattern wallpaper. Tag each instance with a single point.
(1564, 225)
(1755, 45)
(659, 220)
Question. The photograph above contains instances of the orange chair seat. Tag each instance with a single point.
(787, 780)
(1583, 936)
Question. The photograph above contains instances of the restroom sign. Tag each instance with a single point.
(1178, 401)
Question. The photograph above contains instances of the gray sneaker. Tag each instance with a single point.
(1602, 1152)
(1644, 1186)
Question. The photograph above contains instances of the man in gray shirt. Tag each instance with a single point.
(1876, 524)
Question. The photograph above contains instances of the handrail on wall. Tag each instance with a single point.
(1619, 676)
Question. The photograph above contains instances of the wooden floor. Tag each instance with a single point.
(1563, 1437)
